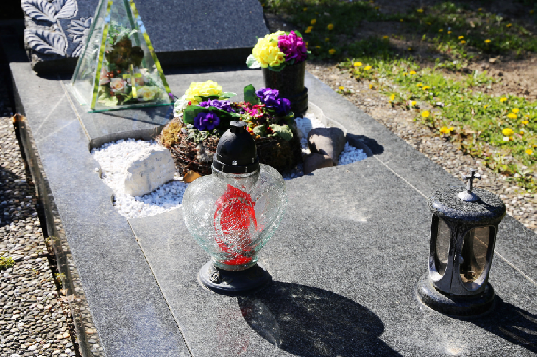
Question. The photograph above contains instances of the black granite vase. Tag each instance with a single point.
(290, 83)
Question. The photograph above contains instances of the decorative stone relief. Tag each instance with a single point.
(45, 36)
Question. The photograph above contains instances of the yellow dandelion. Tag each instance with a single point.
(508, 132)
(521, 132)
(509, 25)
(420, 11)
(392, 97)
(512, 116)
(401, 20)
(425, 87)
(529, 151)
(385, 37)
(404, 74)
(410, 48)
(331, 51)
(441, 30)
(307, 43)
(327, 39)
(532, 11)
(377, 7)
(428, 23)
(357, 64)
(461, 37)
(487, 41)
(330, 26)
(367, 68)
(479, 9)
(317, 46)
(525, 122)
(305, 9)
(516, 110)
(503, 99)
(341, 88)
(425, 114)
(419, 84)
(485, 106)
(449, 32)
(413, 103)
(446, 130)
(313, 21)
(463, 42)
(308, 30)
(412, 72)
(370, 86)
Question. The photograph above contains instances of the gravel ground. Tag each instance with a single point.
(35, 320)
(520, 204)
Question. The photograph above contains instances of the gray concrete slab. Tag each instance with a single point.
(345, 260)
(127, 307)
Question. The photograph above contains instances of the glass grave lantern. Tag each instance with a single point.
(118, 68)
(463, 234)
(233, 212)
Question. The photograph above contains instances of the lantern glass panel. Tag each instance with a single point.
(442, 246)
(474, 253)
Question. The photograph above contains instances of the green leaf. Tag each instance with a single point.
(283, 131)
(278, 68)
(249, 95)
(251, 62)
(260, 130)
(190, 113)
(227, 95)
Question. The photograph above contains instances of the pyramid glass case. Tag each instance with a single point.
(118, 68)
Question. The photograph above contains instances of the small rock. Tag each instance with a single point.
(327, 141)
(151, 170)
(316, 161)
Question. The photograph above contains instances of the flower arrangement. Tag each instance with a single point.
(204, 113)
(278, 50)
(123, 80)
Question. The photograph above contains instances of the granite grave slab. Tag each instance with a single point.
(345, 260)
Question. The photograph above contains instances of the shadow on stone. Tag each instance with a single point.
(308, 321)
(512, 324)
(370, 146)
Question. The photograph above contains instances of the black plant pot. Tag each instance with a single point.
(290, 83)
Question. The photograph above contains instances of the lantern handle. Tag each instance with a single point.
(468, 195)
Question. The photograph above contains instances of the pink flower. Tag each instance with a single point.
(117, 85)
(293, 47)
(104, 76)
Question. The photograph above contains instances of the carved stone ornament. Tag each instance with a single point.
(53, 30)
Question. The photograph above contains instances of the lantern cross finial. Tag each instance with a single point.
(468, 195)
(470, 179)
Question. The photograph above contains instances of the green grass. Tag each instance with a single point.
(458, 110)
(6, 263)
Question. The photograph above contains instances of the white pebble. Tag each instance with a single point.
(114, 159)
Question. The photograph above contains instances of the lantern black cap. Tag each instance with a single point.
(236, 151)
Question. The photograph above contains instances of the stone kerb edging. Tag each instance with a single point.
(329, 122)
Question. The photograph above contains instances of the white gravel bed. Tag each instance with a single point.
(114, 159)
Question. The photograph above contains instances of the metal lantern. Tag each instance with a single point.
(233, 212)
(463, 234)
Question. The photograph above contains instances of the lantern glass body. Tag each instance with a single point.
(474, 253)
(232, 216)
(441, 247)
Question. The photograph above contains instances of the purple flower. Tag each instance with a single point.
(293, 47)
(218, 104)
(271, 99)
(206, 121)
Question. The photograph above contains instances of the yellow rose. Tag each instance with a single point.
(148, 93)
(202, 89)
(267, 52)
